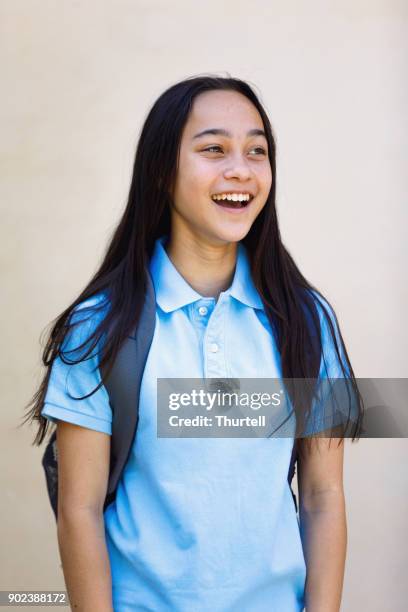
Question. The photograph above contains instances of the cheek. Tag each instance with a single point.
(194, 178)
(266, 178)
(188, 195)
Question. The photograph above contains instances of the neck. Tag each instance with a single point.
(208, 269)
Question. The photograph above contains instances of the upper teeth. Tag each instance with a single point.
(235, 197)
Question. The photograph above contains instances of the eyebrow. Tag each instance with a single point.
(222, 132)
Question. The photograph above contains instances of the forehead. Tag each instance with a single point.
(223, 109)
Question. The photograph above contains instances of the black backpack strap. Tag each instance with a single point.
(314, 355)
(50, 466)
(292, 469)
(123, 387)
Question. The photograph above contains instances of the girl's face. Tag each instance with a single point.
(223, 153)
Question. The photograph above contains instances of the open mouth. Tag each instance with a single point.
(233, 200)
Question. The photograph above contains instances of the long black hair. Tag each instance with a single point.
(121, 277)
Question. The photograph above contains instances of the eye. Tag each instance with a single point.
(212, 147)
(261, 150)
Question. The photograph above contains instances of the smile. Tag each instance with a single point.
(232, 201)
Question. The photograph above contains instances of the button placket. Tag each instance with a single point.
(213, 345)
(200, 312)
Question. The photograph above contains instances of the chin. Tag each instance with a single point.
(230, 234)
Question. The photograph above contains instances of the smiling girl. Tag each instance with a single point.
(197, 524)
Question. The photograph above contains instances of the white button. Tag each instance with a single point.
(203, 310)
(214, 347)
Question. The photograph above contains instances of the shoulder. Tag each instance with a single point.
(323, 308)
(334, 356)
(84, 320)
(90, 306)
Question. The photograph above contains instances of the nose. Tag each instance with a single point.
(237, 167)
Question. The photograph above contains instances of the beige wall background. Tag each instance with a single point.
(78, 79)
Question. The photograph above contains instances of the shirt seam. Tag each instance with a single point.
(84, 414)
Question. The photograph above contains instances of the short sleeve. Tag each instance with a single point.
(335, 402)
(70, 381)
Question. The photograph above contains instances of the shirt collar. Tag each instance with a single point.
(243, 288)
(173, 291)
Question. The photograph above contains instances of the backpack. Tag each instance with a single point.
(123, 388)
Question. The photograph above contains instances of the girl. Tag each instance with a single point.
(198, 524)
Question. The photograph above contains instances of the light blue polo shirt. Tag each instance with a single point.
(198, 524)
